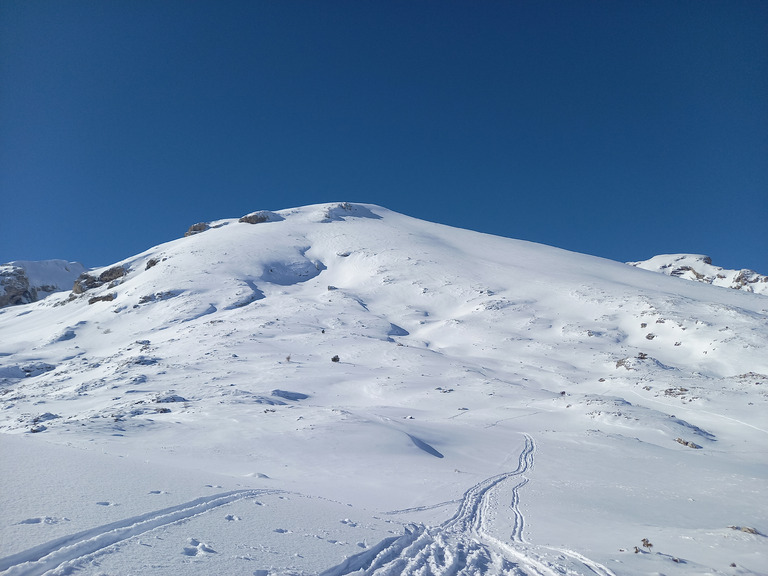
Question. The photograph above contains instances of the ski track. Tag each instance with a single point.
(73, 548)
(460, 546)
(463, 545)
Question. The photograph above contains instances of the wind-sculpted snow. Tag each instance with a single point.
(364, 362)
(421, 445)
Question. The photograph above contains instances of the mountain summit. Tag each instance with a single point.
(338, 389)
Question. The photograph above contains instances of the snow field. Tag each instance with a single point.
(153, 423)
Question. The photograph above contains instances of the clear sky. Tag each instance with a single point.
(622, 129)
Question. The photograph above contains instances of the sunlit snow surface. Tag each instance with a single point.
(497, 407)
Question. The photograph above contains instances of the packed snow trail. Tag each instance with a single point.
(459, 546)
(463, 545)
(57, 553)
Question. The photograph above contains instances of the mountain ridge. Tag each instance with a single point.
(209, 361)
(50, 276)
(699, 268)
(24, 281)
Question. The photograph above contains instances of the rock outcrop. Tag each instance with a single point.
(22, 282)
(87, 282)
(197, 228)
(260, 216)
(700, 269)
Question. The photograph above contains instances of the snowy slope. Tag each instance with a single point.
(699, 268)
(22, 281)
(497, 407)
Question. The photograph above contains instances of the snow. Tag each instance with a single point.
(699, 268)
(23, 281)
(498, 407)
(58, 273)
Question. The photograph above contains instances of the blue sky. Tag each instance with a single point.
(620, 129)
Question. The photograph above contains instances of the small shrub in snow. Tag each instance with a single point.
(647, 544)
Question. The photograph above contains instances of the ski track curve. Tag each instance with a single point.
(463, 544)
(75, 547)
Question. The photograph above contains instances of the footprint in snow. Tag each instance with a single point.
(196, 548)
(43, 520)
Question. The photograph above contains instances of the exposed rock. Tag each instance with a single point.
(84, 283)
(106, 298)
(45, 417)
(157, 296)
(87, 282)
(14, 287)
(338, 212)
(197, 228)
(112, 274)
(168, 397)
(25, 370)
(700, 269)
(261, 216)
(687, 443)
(746, 530)
(22, 282)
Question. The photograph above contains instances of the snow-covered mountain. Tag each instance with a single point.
(338, 389)
(699, 268)
(22, 282)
